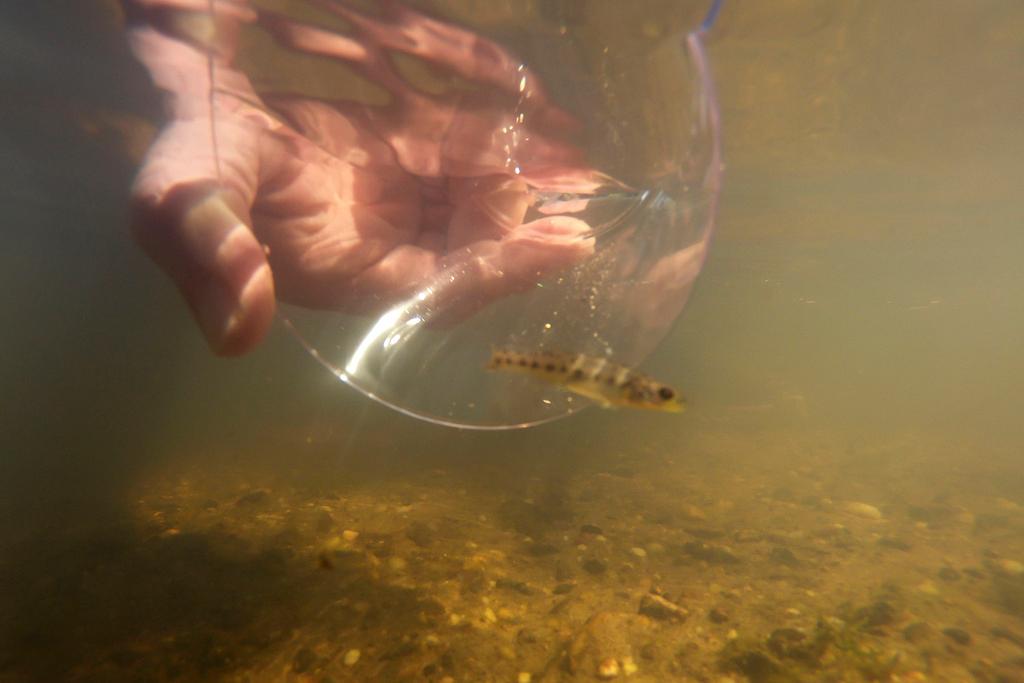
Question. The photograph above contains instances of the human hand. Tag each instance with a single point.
(340, 205)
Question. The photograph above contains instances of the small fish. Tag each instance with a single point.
(596, 378)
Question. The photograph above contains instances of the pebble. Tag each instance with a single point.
(257, 497)
(1008, 567)
(693, 512)
(917, 632)
(783, 556)
(490, 616)
(351, 657)
(957, 635)
(324, 521)
(657, 607)
(524, 677)
(349, 535)
(305, 659)
(894, 543)
(513, 585)
(928, 587)
(608, 668)
(639, 552)
(595, 566)
(420, 534)
(629, 667)
(712, 554)
(717, 616)
(865, 510)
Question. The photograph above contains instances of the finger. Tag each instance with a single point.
(495, 270)
(486, 208)
(200, 242)
(455, 287)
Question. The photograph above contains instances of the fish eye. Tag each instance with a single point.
(666, 394)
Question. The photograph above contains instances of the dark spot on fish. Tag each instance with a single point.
(522, 362)
(534, 365)
(550, 367)
(577, 374)
(611, 381)
(666, 393)
(563, 369)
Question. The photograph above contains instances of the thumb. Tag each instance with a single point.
(197, 235)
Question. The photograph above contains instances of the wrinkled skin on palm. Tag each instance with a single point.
(247, 197)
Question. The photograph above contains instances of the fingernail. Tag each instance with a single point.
(234, 324)
(218, 312)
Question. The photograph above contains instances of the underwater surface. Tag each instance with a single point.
(842, 500)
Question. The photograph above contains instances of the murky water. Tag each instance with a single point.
(843, 500)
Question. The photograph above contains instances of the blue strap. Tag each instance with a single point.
(712, 14)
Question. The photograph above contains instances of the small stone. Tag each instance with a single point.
(957, 635)
(693, 512)
(949, 574)
(917, 632)
(894, 543)
(786, 642)
(524, 677)
(784, 556)
(595, 566)
(349, 535)
(396, 564)
(324, 521)
(512, 585)
(865, 510)
(639, 552)
(257, 497)
(757, 666)
(305, 659)
(879, 613)
(563, 588)
(1007, 634)
(608, 668)
(420, 534)
(490, 616)
(704, 533)
(712, 554)
(629, 666)
(657, 607)
(747, 536)
(717, 616)
(542, 549)
(351, 657)
(1008, 567)
(928, 587)
(591, 529)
